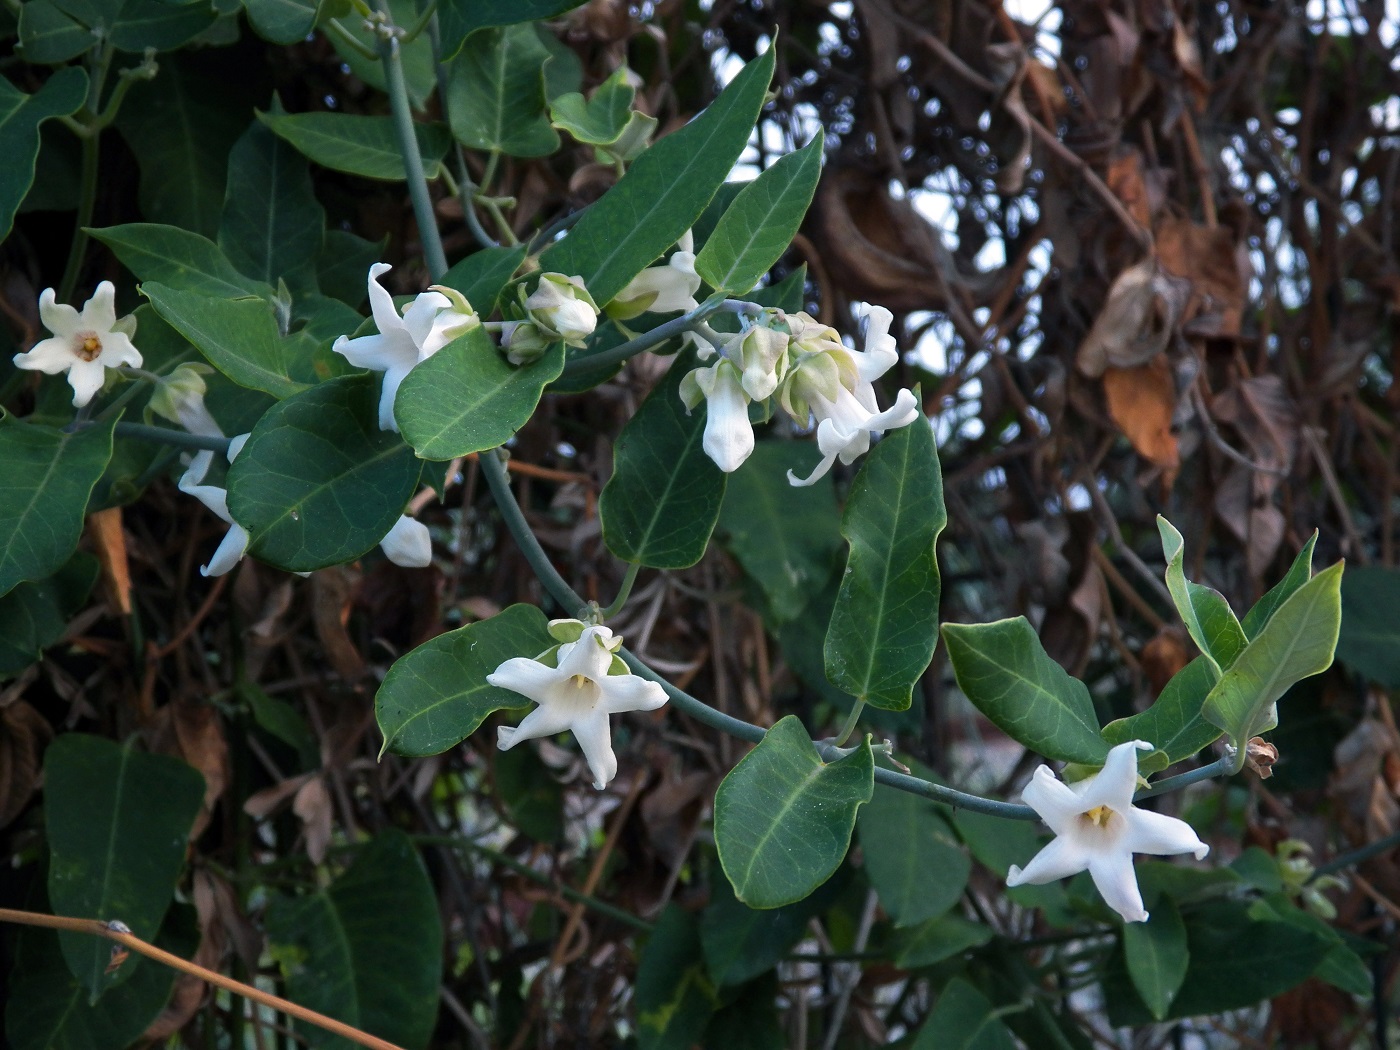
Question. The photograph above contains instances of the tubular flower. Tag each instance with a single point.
(428, 324)
(408, 543)
(832, 383)
(84, 344)
(578, 694)
(180, 398)
(728, 434)
(235, 541)
(661, 289)
(1098, 829)
(563, 309)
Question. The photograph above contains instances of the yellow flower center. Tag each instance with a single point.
(1098, 816)
(87, 346)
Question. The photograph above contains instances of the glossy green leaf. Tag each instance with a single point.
(281, 21)
(748, 1019)
(600, 120)
(911, 857)
(239, 337)
(1006, 673)
(272, 225)
(358, 145)
(48, 1008)
(997, 844)
(1157, 956)
(144, 24)
(1298, 574)
(178, 258)
(44, 488)
(468, 398)
(20, 117)
(934, 940)
(673, 996)
(1369, 642)
(663, 499)
(367, 950)
(785, 538)
(742, 942)
(885, 625)
(117, 821)
(458, 18)
(783, 817)
(1341, 966)
(342, 268)
(48, 36)
(761, 223)
(963, 1019)
(663, 192)
(495, 95)
(483, 275)
(1298, 641)
(1208, 617)
(318, 483)
(436, 696)
(35, 614)
(1173, 724)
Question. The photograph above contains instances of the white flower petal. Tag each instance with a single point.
(1115, 784)
(728, 437)
(1061, 857)
(818, 473)
(388, 395)
(631, 692)
(100, 312)
(1056, 802)
(1116, 880)
(59, 318)
(545, 720)
(229, 552)
(1161, 835)
(588, 657)
(381, 303)
(594, 737)
(49, 356)
(86, 379)
(408, 543)
(526, 677)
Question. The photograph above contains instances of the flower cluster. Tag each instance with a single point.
(815, 376)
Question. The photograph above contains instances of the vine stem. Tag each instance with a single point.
(170, 436)
(87, 192)
(623, 592)
(111, 931)
(1352, 857)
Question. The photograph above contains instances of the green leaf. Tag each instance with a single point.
(458, 18)
(1341, 966)
(1157, 956)
(146, 24)
(272, 225)
(885, 625)
(282, 21)
(963, 1019)
(239, 337)
(911, 857)
(748, 1019)
(783, 817)
(183, 260)
(44, 487)
(20, 117)
(1006, 673)
(785, 538)
(342, 268)
(483, 275)
(1173, 724)
(1208, 617)
(496, 93)
(663, 192)
(1369, 642)
(357, 145)
(468, 398)
(742, 942)
(437, 695)
(368, 950)
(674, 998)
(1298, 641)
(35, 614)
(663, 499)
(934, 940)
(997, 844)
(598, 121)
(117, 822)
(761, 223)
(47, 36)
(318, 483)
(1298, 574)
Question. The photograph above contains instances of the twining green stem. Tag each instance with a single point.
(657, 336)
(169, 436)
(466, 188)
(848, 727)
(350, 40)
(623, 592)
(390, 53)
(1356, 856)
(87, 186)
(426, 18)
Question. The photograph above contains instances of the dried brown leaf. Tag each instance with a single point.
(1137, 321)
(23, 735)
(1142, 401)
(312, 806)
(105, 528)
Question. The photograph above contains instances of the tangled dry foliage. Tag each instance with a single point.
(1148, 251)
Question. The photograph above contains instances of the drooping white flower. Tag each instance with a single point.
(578, 695)
(215, 497)
(832, 383)
(179, 397)
(427, 325)
(1098, 829)
(84, 344)
(728, 433)
(662, 289)
(563, 309)
(408, 543)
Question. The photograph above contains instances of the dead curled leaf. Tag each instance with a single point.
(1260, 756)
(1136, 323)
(1142, 401)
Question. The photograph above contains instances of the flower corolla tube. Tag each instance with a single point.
(578, 694)
(84, 343)
(1098, 829)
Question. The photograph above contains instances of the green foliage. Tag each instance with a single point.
(1298, 574)
(1369, 642)
(1207, 615)
(20, 118)
(482, 276)
(963, 1019)
(1157, 956)
(674, 996)
(436, 696)
(911, 857)
(783, 817)
(357, 145)
(496, 93)
(460, 18)
(1173, 724)
(319, 483)
(663, 499)
(600, 120)
(740, 942)
(34, 615)
(885, 625)
(934, 940)
(271, 227)
(367, 950)
(44, 491)
(117, 823)
(185, 261)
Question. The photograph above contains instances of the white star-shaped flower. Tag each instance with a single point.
(578, 695)
(84, 344)
(1098, 829)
